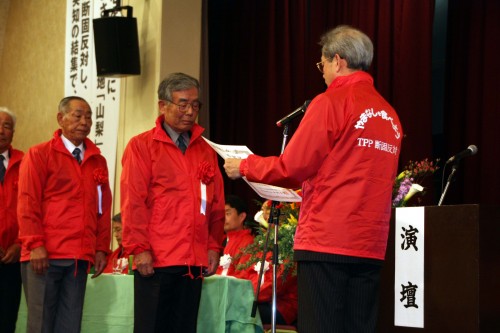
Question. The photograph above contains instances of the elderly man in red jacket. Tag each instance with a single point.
(344, 155)
(172, 205)
(64, 209)
(10, 247)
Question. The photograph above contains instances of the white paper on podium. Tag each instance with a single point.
(265, 191)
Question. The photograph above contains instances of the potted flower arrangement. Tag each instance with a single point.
(409, 181)
(288, 218)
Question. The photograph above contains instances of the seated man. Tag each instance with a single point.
(238, 235)
(117, 259)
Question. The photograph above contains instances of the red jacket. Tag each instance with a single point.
(286, 301)
(117, 254)
(286, 290)
(58, 202)
(161, 198)
(236, 240)
(345, 154)
(8, 201)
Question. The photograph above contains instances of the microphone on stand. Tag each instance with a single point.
(471, 150)
(286, 119)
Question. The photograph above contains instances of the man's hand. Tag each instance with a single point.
(144, 263)
(39, 259)
(99, 263)
(213, 262)
(12, 254)
(232, 167)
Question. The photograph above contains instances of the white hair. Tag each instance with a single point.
(11, 114)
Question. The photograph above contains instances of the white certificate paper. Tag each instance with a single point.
(265, 191)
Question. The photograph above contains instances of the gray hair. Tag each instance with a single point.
(64, 103)
(350, 44)
(11, 114)
(176, 82)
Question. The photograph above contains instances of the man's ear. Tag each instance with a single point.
(60, 117)
(162, 105)
(242, 217)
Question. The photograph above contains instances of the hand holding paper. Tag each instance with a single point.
(233, 156)
(232, 167)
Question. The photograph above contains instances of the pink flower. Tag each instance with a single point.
(206, 172)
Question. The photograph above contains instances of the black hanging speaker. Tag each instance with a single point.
(116, 45)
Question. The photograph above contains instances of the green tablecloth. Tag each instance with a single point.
(225, 306)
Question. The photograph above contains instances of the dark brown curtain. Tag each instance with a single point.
(262, 57)
(473, 98)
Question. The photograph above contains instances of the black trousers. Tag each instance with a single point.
(10, 296)
(337, 297)
(168, 301)
(266, 315)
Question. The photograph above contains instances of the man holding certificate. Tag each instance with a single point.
(344, 155)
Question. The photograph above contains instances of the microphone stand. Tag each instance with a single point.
(450, 177)
(273, 220)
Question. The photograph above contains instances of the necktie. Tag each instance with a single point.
(2, 168)
(181, 144)
(76, 154)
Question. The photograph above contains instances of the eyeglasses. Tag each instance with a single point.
(321, 65)
(183, 107)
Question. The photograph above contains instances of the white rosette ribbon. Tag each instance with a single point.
(256, 267)
(225, 262)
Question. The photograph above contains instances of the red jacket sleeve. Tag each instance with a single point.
(134, 187)
(32, 175)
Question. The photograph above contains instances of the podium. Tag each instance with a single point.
(461, 272)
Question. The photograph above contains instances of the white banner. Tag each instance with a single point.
(80, 77)
(409, 267)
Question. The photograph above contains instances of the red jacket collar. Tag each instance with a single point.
(358, 76)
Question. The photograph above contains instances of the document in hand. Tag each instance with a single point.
(265, 191)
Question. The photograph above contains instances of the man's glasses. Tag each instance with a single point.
(321, 65)
(183, 107)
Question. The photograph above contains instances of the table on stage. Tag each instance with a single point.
(225, 306)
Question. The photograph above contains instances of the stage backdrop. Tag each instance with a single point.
(262, 57)
(262, 66)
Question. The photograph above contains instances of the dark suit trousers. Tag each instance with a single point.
(337, 297)
(10, 296)
(168, 301)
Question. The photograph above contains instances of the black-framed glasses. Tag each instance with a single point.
(183, 107)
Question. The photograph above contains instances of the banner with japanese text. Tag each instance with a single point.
(409, 267)
(80, 77)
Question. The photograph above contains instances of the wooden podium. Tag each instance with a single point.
(461, 272)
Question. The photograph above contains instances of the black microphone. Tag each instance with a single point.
(286, 119)
(471, 150)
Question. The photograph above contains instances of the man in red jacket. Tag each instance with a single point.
(10, 247)
(344, 155)
(64, 209)
(239, 234)
(172, 205)
(117, 261)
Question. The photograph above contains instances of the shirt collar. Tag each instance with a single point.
(174, 135)
(70, 146)
(6, 156)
